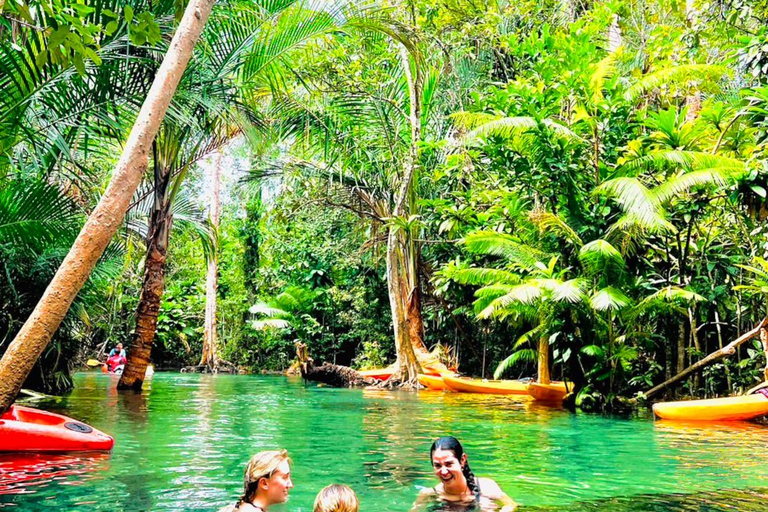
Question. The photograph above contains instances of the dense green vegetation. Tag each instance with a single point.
(586, 176)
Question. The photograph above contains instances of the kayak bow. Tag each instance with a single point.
(24, 429)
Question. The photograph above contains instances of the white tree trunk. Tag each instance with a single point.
(101, 226)
(209, 358)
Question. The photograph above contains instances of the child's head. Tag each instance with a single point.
(336, 498)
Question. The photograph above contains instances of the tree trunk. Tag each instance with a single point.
(413, 314)
(209, 357)
(543, 376)
(402, 280)
(106, 218)
(680, 346)
(407, 364)
(151, 295)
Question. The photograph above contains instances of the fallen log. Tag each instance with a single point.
(335, 375)
(727, 350)
(331, 374)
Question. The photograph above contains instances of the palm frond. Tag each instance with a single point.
(270, 323)
(526, 355)
(640, 204)
(609, 299)
(504, 245)
(601, 258)
(484, 276)
(513, 126)
(676, 74)
(550, 222)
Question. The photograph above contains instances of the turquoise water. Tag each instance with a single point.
(183, 443)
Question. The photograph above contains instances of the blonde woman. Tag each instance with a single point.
(266, 482)
(336, 498)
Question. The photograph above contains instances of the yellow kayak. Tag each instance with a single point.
(493, 387)
(432, 382)
(731, 408)
(555, 391)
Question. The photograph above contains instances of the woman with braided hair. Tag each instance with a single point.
(266, 482)
(459, 487)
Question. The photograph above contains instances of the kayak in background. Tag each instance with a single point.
(731, 408)
(24, 429)
(493, 387)
(432, 382)
(555, 391)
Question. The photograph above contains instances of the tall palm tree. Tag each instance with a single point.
(236, 59)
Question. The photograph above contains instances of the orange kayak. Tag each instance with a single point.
(494, 387)
(377, 373)
(24, 429)
(731, 408)
(432, 382)
(555, 391)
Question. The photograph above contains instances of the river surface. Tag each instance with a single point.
(182, 446)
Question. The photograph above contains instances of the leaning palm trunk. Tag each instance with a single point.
(101, 226)
(209, 357)
(151, 297)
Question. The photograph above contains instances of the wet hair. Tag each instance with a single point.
(336, 498)
(261, 465)
(452, 444)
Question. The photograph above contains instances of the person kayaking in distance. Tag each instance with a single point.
(266, 482)
(118, 350)
(459, 488)
(115, 362)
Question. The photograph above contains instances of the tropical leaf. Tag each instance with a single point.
(609, 299)
(520, 356)
(262, 308)
(669, 298)
(35, 214)
(601, 258)
(572, 291)
(603, 70)
(549, 222)
(640, 204)
(688, 160)
(504, 245)
(676, 74)
(525, 293)
(270, 323)
(513, 126)
(484, 276)
(674, 187)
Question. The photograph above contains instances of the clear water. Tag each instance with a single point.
(183, 443)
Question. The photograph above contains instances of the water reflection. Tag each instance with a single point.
(721, 501)
(27, 473)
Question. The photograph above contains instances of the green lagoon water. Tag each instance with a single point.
(182, 446)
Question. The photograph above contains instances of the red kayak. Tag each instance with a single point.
(24, 429)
